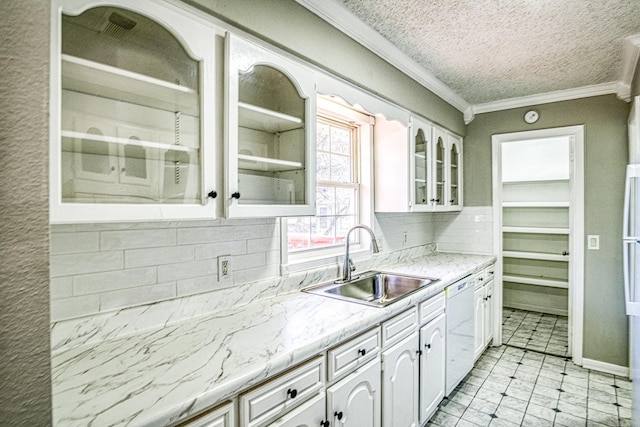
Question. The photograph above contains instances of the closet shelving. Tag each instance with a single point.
(536, 232)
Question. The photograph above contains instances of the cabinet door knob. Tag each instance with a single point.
(324, 423)
(451, 201)
(213, 194)
(565, 253)
(419, 352)
(362, 351)
(292, 392)
(428, 345)
(235, 195)
(338, 415)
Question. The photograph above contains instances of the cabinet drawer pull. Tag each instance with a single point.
(292, 392)
(213, 194)
(338, 415)
(362, 351)
(235, 195)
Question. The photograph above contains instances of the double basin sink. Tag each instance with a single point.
(374, 288)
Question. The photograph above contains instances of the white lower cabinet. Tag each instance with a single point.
(488, 314)
(432, 366)
(483, 311)
(281, 395)
(355, 400)
(479, 302)
(400, 383)
(392, 375)
(310, 414)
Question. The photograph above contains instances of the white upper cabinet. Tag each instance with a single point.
(133, 112)
(417, 168)
(270, 141)
(447, 171)
(423, 164)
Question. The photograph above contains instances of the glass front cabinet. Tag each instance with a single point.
(270, 133)
(422, 161)
(447, 171)
(133, 112)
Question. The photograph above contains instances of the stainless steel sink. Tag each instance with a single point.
(375, 288)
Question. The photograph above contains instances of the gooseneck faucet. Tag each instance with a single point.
(348, 266)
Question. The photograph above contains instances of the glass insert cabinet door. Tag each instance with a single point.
(423, 164)
(131, 118)
(270, 141)
(440, 150)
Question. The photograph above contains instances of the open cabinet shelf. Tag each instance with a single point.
(536, 281)
(262, 119)
(85, 76)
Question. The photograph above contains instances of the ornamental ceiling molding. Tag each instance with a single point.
(339, 17)
(335, 14)
(630, 58)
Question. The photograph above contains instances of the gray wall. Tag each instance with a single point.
(24, 232)
(290, 26)
(605, 120)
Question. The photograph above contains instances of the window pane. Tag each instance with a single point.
(346, 199)
(344, 223)
(341, 141)
(325, 201)
(299, 232)
(323, 230)
(322, 141)
(322, 166)
(340, 168)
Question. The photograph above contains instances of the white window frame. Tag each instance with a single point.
(305, 259)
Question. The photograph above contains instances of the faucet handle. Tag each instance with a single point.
(352, 266)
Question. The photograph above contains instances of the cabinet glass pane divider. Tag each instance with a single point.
(267, 163)
(125, 141)
(99, 79)
(535, 230)
(538, 281)
(535, 255)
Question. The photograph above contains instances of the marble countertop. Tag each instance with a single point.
(165, 375)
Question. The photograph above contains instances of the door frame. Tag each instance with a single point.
(576, 243)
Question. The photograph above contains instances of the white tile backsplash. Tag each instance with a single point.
(96, 268)
(469, 231)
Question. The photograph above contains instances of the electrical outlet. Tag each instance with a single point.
(224, 268)
(593, 242)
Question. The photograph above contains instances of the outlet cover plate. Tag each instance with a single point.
(224, 268)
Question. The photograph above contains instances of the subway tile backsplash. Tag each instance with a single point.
(97, 268)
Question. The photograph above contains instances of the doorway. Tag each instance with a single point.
(538, 203)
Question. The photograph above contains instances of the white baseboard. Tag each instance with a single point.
(609, 368)
(536, 308)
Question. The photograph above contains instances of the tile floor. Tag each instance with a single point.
(546, 333)
(520, 387)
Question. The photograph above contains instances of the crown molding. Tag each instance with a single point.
(339, 17)
(546, 98)
(630, 58)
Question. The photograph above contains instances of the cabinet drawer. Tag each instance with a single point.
(346, 357)
(478, 279)
(432, 307)
(402, 325)
(489, 272)
(277, 396)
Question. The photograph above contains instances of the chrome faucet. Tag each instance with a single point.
(348, 266)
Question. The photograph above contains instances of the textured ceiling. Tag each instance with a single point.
(489, 50)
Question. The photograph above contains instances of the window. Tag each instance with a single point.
(342, 141)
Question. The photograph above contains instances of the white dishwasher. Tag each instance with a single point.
(460, 340)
